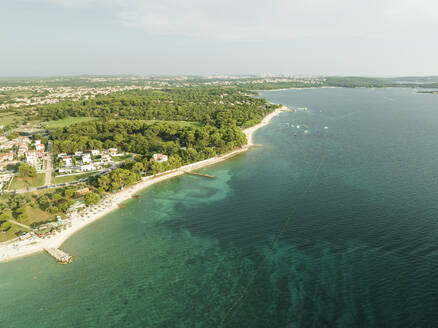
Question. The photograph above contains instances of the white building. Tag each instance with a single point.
(160, 158)
(112, 151)
(86, 158)
(67, 161)
(106, 158)
(39, 147)
(95, 152)
(79, 153)
(87, 167)
(64, 170)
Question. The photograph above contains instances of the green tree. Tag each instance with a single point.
(91, 199)
(26, 170)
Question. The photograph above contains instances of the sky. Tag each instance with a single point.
(199, 37)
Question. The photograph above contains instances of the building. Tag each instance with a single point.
(3, 139)
(112, 151)
(79, 153)
(39, 147)
(105, 158)
(81, 192)
(62, 155)
(86, 158)
(22, 139)
(6, 157)
(95, 152)
(7, 145)
(64, 170)
(87, 167)
(31, 158)
(67, 161)
(160, 158)
(37, 142)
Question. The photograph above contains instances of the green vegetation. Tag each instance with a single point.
(91, 199)
(27, 171)
(28, 182)
(66, 122)
(71, 178)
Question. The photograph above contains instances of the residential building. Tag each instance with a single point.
(67, 161)
(39, 147)
(64, 170)
(6, 157)
(160, 158)
(3, 139)
(81, 192)
(95, 152)
(87, 167)
(106, 158)
(79, 153)
(112, 151)
(86, 158)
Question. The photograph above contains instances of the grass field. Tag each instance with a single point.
(66, 122)
(8, 118)
(71, 178)
(23, 183)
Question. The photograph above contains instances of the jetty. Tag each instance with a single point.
(59, 256)
(200, 174)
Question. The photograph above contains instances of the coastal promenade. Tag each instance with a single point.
(16, 249)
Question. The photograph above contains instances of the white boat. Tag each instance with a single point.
(326, 127)
(298, 126)
(306, 131)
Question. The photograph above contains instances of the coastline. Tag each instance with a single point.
(17, 249)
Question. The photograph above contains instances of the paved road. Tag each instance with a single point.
(49, 166)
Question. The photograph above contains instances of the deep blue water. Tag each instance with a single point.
(334, 228)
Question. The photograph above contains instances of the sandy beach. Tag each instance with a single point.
(16, 249)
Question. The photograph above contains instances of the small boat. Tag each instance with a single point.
(306, 131)
(326, 127)
(298, 126)
(292, 126)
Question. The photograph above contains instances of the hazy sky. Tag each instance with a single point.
(344, 37)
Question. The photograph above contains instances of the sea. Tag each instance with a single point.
(332, 224)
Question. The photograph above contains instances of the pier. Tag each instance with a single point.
(200, 174)
(59, 256)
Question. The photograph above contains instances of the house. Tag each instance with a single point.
(7, 145)
(87, 167)
(22, 150)
(37, 142)
(95, 152)
(39, 147)
(5, 157)
(112, 151)
(62, 155)
(86, 158)
(67, 161)
(81, 192)
(22, 139)
(160, 158)
(3, 139)
(79, 153)
(106, 158)
(64, 170)
(32, 158)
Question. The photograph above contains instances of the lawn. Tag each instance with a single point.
(66, 122)
(23, 183)
(71, 178)
(8, 118)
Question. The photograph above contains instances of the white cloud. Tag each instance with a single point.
(272, 19)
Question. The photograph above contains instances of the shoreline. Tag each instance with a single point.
(16, 249)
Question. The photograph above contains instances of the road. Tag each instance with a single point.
(49, 165)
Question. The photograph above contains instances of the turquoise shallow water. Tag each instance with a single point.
(333, 228)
